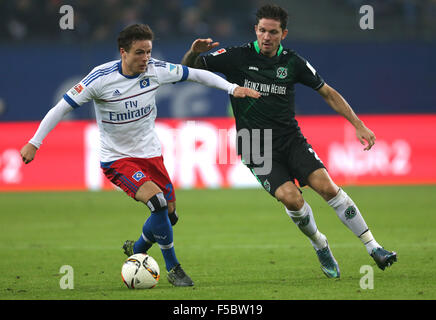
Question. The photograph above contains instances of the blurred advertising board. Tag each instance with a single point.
(200, 153)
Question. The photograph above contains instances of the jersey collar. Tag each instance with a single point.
(124, 75)
(256, 47)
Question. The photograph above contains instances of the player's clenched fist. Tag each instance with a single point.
(28, 152)
(242, 92)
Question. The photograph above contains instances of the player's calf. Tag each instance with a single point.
(350, 215)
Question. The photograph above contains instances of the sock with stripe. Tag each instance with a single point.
(305, 221)
(351, 217)
(145, 240)
(160, 227)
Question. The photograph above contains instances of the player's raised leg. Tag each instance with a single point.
(301, 214)
(158, 228)
(349, 214)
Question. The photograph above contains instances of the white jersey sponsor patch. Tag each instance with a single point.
(218, 52)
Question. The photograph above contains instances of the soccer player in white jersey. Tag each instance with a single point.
(124, 98)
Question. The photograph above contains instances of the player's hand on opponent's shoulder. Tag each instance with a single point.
(365, 134)
(28, 152)
(203, 45)
(242, 92)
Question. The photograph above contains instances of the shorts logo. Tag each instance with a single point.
(267, 185)
(138, 175)
(282, 72)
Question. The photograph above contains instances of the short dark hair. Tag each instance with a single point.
(272, 11)
(132, 33)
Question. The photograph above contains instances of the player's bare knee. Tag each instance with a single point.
(146, 191)
(328, 191)
(290, 196)
(293, 203)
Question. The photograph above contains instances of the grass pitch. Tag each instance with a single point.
(235, 244)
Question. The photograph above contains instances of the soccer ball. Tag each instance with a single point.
(140, 271)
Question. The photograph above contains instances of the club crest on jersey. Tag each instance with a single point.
(282, 72)
(145, 82)
(138, 175)
(220, 51)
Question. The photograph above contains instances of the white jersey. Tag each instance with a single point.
(125, 106)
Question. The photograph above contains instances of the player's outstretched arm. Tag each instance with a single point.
(51, 119)
(214, 81)
(335, 100)
(192, 57)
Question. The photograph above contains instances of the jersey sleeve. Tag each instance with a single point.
(85, 90)
(307, 75)
(223, 60)
(169, 72)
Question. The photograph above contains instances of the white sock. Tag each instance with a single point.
(369, 241)
(305, 221)
(318, 240)
(350, 215)
(348, 212)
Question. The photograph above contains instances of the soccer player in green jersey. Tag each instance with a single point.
(273, 70)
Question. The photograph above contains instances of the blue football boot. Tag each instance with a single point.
(383, 258)
(328, 263)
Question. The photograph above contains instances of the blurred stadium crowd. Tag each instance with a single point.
(102, 20)
(38, 20)
(416, 14)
